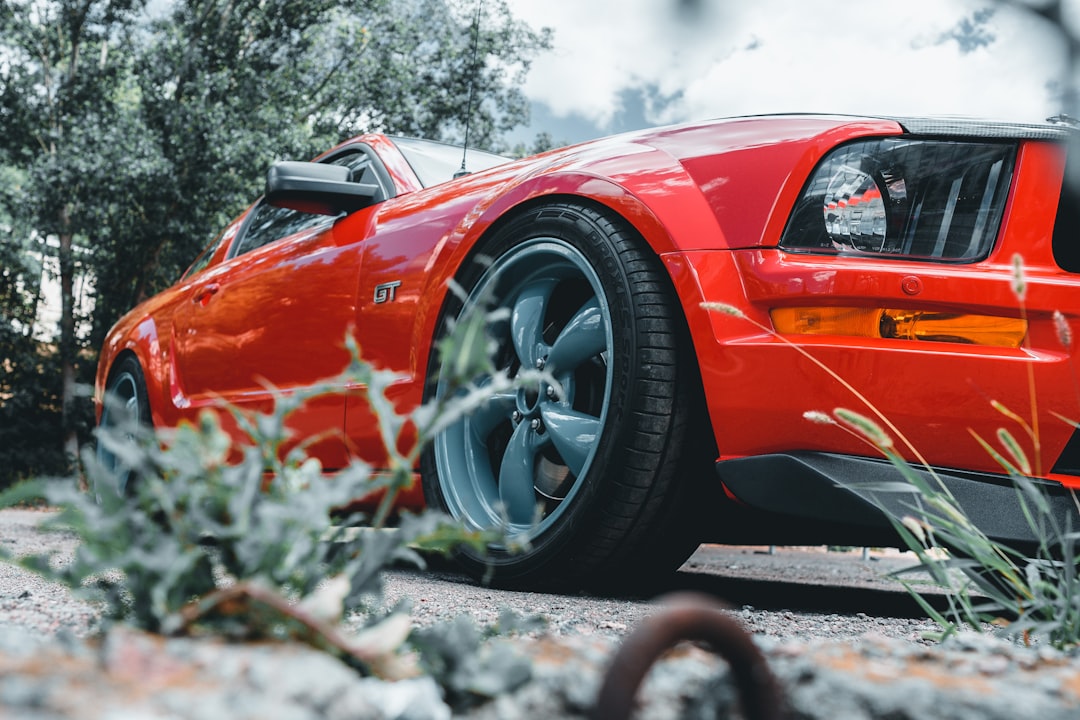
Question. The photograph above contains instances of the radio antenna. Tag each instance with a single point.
(472, 82)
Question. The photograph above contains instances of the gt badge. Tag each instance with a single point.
(385, 292)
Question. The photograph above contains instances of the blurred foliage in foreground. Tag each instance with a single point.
(180, 538)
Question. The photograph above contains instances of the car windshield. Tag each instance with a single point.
(436, 163)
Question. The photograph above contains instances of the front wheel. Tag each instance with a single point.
(583, 471)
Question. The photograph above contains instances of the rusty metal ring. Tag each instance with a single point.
(694, 617)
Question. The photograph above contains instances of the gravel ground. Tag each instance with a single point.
(842, 639)
(780, 595)
(27, 601)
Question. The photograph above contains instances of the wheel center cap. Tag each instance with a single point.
(528, 401)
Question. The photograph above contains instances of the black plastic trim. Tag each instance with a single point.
(1068, 463)
(325, 187)
(838, 489)
(1066, 242)
(989, 129)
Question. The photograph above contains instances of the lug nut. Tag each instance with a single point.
(516, 417)
(535, 424)
(540, 362)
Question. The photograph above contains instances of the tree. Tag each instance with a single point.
(29, 387)
(227, 88)
(139, 136)
(55, 74)
(541, 143)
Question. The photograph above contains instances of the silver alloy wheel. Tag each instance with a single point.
(525, 454)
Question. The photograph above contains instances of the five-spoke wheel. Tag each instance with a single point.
(526, 452)
(579, 462)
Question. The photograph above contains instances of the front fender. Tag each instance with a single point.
(139, 336)
(646, 187)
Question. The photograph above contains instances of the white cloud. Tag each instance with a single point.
(601, 48)
(791, 55)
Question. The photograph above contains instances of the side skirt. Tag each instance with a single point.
(820, 489)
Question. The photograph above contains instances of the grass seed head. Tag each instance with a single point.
(1064, 330)
(915, 526)
(1019, 284)
(723, 308)
(865, 427)
(818, 418)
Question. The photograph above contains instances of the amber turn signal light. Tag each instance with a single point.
(932, 325)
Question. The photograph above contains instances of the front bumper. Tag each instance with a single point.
(759, 385)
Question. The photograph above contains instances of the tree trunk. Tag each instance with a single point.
(68, 344)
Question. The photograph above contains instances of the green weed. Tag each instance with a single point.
(259, 548)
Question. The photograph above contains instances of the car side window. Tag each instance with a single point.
(360, 169)
(269, 223)
(207, 254)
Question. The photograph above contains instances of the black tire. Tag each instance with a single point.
(126, 414)
(614, 510)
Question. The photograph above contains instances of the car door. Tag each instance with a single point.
(274, 316)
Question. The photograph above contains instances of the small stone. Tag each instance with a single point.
(993, 665)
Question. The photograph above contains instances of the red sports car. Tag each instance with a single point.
(878, 251)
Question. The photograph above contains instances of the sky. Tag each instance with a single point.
(625, 64)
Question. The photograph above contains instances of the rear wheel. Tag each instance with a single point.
(126, 410)
(586, 475)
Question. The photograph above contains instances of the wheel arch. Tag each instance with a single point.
(501, 210)
(604, 195)
(497, 210)
(139, 340)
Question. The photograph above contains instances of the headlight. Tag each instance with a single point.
(899, 197)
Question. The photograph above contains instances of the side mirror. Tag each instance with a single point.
(317, 188)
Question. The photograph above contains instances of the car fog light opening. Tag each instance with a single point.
(898, 324)
(906, 198)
